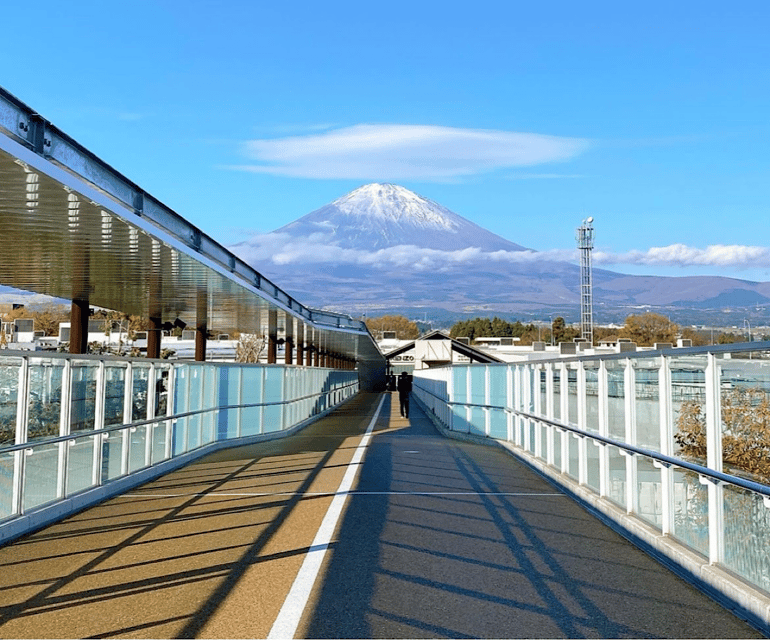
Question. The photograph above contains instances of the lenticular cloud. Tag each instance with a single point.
(400, 152)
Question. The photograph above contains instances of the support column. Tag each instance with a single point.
(154, 337)
(300, 343)
(201, 327)
(289, 340)
(79, 326)
(272, 336)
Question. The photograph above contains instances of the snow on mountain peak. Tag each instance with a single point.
(394, 203)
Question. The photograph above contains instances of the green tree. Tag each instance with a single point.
(561, 332)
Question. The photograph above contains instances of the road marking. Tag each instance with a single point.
(285, 625)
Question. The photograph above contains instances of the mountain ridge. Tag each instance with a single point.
(383, 246)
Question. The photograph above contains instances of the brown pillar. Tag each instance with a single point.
(317, 358)
(300, 344)
(201, 327)
(272, 336)
(79, 326)
(201, 335)
(289, 340)
(153, 337)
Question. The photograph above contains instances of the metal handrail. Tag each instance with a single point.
(158, 419)
(711, 474)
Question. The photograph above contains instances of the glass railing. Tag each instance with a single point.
(73, 423)
(680, 439)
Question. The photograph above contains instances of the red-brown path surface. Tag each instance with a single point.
(438, 539)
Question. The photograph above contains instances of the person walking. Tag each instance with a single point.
(404, 389)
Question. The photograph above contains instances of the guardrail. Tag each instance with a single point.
(75, 429)
(671, 447)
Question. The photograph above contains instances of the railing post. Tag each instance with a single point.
(564, 408)
(22, 415)
(518, 402)
(581, 423)
(666, 446)
(99, 400)
(510, 395)
(550, 454)
(487, 400)
(629, 398)
(714, 459)
(537, 375)
(526, 405)
(65, 419)
(604, 429)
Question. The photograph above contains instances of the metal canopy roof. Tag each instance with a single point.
(74, 228)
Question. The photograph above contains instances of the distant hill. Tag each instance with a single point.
(384, 248)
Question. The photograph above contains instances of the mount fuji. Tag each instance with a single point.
(383, 248)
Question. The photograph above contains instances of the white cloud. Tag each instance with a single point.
(402, 152)
(282, 249)
(680, 255)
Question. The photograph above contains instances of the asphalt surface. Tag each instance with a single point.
(439, 538)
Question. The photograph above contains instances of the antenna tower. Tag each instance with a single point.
(585, 242)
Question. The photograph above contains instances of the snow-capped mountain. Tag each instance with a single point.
(383, 247)
(376, 216)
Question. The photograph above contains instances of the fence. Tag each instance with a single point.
(74, 429)
(672, 447)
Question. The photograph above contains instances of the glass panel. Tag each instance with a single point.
(574, 455)
(41, 470)
(162, 376)
(617, 488)
(194, 403)
(45, 381)
(251, 421)
(83, 400)
(542, 374)
(647, 404)
(747, 530)
(112, 455)
(272, 417)
(616, 392)
(691, 513)
(557, 440)
(6, 484)
(592, 397)
(9, 389)
(498, 427)
(478, 421)
(159, 441)
(115, 387)
(137, 447)
(557, 394)
(572, 396)
(745, 395)
(80, 464)
(478, 387)
(140, 378)
(593, 451)
(211, 399)
(498, 383)
(649, 492)
(529, 425)
(460, 384)
(688, 396)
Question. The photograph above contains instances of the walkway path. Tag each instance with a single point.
(439, 538)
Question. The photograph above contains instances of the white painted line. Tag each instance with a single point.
(285, 625)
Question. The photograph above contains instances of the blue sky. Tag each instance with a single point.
(523, 117)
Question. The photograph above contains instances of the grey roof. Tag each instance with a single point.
(73, 227)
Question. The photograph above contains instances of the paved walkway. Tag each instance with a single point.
(438, 538)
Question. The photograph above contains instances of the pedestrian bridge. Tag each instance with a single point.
(586, 496)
